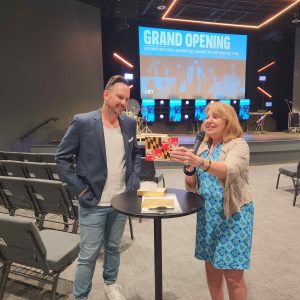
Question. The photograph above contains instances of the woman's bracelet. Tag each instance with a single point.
(208, 167)
(188, 173)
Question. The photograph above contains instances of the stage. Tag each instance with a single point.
(265, 147)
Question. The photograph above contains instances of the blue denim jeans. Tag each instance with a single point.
(98, 226)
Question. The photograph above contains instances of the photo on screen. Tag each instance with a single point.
(175, 110)
(225, 101)
(244, 109)
(148, 110)
(200, 105)
(189, 64)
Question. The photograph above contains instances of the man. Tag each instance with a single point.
(107, 163)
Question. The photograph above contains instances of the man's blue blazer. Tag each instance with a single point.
(85, 139)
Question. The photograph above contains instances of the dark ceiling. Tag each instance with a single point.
(251, 13)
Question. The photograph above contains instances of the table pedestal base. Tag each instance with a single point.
(158, 258)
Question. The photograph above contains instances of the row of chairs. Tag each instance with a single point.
(15, 164)
(40, 170)
(28, 156)
(40, 196)
(14, 189)
(22, 243)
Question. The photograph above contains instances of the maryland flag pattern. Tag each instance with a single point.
(158, 148)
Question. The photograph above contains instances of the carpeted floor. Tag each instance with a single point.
(275, 267)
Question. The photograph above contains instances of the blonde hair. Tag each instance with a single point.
(223, 110)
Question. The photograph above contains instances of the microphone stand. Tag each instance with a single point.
(289, 115)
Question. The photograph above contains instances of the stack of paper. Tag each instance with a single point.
(150, 188)
(167, 204)
(155, 203)
(159, 192)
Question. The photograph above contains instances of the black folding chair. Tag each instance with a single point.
(14, 192)
(2, 172)
(294, 173)
(52, 197)
(148, 172)
(4, 205)
(36, 170)
(31, 157)
(39, 255)
(8, 155)
(53, 171)
(13, 168)
(46, 157)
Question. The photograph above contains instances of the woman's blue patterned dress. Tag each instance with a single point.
(224, 242)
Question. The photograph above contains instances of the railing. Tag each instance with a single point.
(27, 134)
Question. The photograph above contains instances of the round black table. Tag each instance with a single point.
(130, 204)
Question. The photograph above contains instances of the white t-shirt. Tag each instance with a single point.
(115, 158)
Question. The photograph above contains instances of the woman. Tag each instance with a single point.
(219, 173)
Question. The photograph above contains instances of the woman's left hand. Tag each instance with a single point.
(184, 155)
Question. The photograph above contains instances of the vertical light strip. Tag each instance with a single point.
(120, 58)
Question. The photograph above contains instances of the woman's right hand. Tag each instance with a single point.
(185, 156)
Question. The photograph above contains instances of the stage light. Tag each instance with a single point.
(262, 78)
(212, 101)
(234, 101)
(187, 102)
(186, 116)
(123, 60)
(161, 116)
(128, 76)
(266, 66)
(162, 6)
(256, 26)
(162, 102)
(264, 92)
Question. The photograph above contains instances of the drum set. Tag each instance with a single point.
(132, 111)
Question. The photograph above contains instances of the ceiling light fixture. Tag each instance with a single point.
(257, 26)
(161, 7)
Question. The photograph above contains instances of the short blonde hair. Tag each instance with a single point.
(233, 128)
